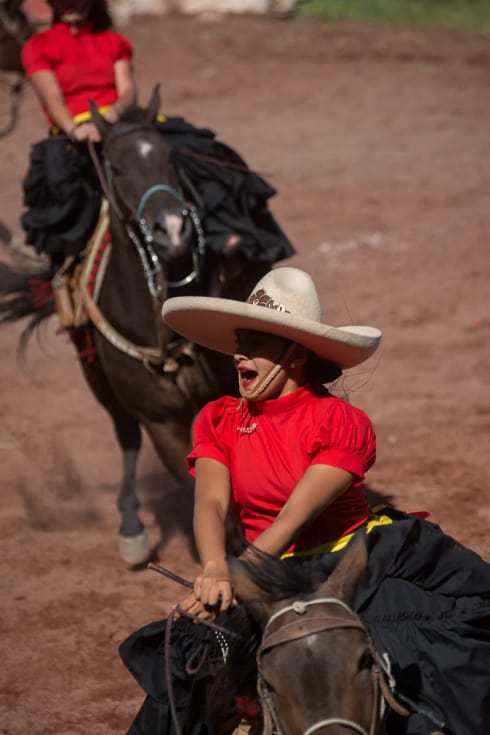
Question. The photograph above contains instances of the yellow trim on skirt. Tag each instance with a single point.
(340, 543)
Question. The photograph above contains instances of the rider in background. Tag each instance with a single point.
(80, 58)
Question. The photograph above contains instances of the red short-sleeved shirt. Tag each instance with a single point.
(83, 63)
(267, 446)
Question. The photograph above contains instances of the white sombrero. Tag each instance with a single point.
(285, 303)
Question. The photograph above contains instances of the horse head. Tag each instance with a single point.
(317, 666)
(143, 182)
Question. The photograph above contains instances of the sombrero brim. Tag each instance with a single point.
(212, 322)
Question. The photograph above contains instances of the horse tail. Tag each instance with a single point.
(25, 294)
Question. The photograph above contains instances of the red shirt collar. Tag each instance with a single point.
(280, 405)
(83, 30)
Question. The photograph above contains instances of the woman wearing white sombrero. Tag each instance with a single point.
(288, 454)
(288, 459)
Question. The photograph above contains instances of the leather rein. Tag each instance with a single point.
(318, 622)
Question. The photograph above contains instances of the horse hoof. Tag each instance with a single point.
(134, 550)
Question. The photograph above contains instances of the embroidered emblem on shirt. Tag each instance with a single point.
(247, 429)
(260, 298)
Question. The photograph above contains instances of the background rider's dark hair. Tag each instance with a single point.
(98, 16)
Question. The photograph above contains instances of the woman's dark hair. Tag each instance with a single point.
(98, 15)
(319, 372)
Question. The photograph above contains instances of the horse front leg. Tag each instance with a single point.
(172, 442)
(133, 539)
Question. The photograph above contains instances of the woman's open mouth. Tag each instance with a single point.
(246, 377)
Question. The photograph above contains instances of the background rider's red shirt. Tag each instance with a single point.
(83, 63)
(267, 446)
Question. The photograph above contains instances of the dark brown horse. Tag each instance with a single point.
(143, 374)
(15, 29)
(318, 669)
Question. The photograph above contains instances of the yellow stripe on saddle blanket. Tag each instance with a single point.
(341, 543)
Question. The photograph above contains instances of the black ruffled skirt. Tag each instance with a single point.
(425, 601)
(211, 676)
(62, 195)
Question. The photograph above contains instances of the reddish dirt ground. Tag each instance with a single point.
(377, 140)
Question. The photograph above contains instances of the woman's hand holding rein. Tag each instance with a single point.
(82, 132)
(213, 586)
(212, 592)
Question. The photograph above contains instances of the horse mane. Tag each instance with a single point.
(281, 578)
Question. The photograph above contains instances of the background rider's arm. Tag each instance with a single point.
(126, 91)
(50, 94)
(317, 489)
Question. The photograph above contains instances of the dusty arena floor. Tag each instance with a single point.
(377, 141)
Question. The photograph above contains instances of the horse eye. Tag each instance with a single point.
(365, 661)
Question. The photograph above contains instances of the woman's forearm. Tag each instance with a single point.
(212, 499)
(209, 532)
(212, 587)
(126, 87)
(317, 489)
(124, 102)
(48, 91)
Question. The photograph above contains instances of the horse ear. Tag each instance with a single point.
(100, 122)
(253, 597)
(346, 576)
(153, 105)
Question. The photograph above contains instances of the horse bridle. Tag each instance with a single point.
(186, 211)
(309, 625)
(141, 235)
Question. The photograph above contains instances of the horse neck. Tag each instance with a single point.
(221, 370)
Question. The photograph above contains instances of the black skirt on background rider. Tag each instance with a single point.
(62, 195)
(425, 601)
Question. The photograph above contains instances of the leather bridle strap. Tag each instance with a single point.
(336, 721)
(103, 180)
(300, 628)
